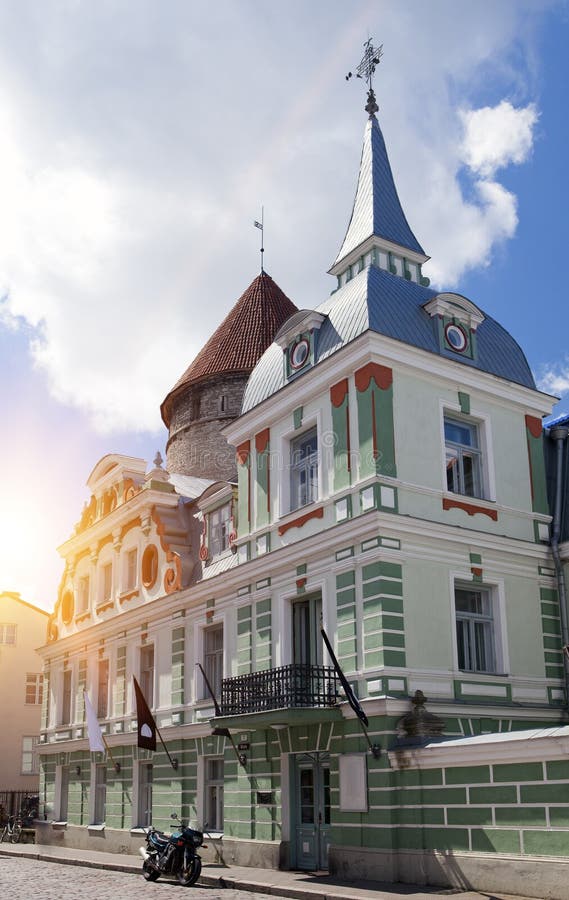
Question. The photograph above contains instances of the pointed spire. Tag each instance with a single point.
(377, 209)
(377, 216)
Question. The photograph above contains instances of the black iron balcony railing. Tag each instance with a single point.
(282, 688)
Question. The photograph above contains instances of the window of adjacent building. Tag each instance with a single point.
(7, 633)
(65, 717)
(147, 673)
(213, 659)
(83, 594)
(34, 688)
(213, 801)
(30, 756)
(145, 794)
(103, 689)
(100, 794)
(463, 457)
(304, 469)
(106, 582)
(219, 528)
(475, 630)
(131, 569)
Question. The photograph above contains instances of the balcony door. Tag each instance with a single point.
(306, 625)
(311, 811)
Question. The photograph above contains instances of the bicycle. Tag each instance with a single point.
(12, 830)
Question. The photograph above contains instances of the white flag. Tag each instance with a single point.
(94, 732)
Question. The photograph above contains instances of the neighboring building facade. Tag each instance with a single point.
(22, 631)
(391, 488)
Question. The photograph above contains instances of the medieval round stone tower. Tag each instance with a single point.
(208, 395)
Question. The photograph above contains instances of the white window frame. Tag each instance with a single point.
(482, 422)
(98, 793)
(61, 792)
(142, 809)
(66, 708)
(105, 565)
(130, 569)
(34, 681)
(495, 589)
(148, 682)
(103, 700)
(8, 634)
(293, 482)
(83, 592)
(218, 547)
(30, 751)
(201, 693)
(217, 785)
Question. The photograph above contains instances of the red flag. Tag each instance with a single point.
(145, 724)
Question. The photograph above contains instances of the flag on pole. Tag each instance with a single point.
(145, 724)
(348, 690)
(94, 733)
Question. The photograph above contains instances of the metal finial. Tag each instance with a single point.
(366, 68)
(158, 460)
(261, 225)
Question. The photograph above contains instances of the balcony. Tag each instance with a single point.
(288, 687)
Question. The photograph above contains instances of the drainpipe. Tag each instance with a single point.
(559, 434)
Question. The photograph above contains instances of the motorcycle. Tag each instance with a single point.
(172, 854)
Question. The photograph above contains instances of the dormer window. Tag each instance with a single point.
(458, 319)
(219, 529)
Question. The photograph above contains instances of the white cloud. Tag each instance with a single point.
(554, 379)
(495, 136)
(135, 152)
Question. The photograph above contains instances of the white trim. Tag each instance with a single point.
(514, 746)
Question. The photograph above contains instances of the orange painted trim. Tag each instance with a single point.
(262, 440)
(242, 452)
(128, 596)
(104, 606)
(534, 426)
(173, 576)
(471, 508)
(129, 526)
(82, 616)
(339, 392)
(382, 375)
(103, 543)
(317, 513)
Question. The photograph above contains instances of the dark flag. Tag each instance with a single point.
(145, 724)
(350, 696)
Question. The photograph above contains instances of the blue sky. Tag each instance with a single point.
(137, 144)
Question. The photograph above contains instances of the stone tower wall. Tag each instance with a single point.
(198, 413)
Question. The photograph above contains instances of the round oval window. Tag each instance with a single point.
(67, 607)
(149, 566)
(456, 337)
(299, 353)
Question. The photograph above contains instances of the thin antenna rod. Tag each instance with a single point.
(261, 226)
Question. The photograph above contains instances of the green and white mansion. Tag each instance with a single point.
(389, 487)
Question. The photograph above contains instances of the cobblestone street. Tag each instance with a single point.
(29, 879)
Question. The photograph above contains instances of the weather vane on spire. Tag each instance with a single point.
(261, 226)
(365, 70)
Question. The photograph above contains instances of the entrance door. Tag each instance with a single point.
(312, 808)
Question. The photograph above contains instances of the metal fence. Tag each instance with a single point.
(15, 803)
(285, 687)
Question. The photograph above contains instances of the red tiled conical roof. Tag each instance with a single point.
(239, 342)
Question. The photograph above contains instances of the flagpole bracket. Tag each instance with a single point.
(117, 767)
(375, 751)
(175, 765)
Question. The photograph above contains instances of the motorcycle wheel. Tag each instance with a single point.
(190, 871)
(149, 872)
